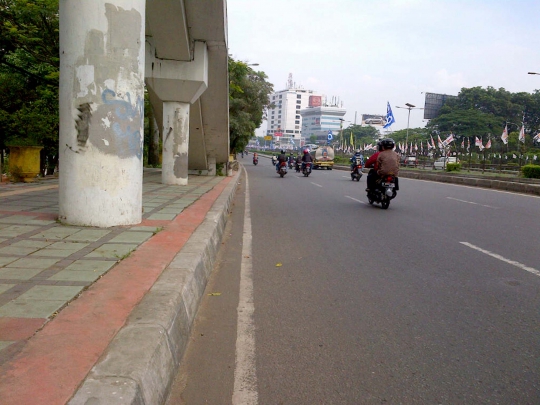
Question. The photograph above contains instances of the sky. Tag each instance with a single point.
(367, 53)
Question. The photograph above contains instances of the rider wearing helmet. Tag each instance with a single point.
(281, 158)
(357, 155)
(385, 161)
(306, 158)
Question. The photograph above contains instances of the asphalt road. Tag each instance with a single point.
(433, 301)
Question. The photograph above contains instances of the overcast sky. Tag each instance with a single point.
(368, 52)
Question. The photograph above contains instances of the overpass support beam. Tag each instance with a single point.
(175, 143)
(102, 57)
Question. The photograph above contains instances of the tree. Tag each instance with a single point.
(248, 100)
(29, 73)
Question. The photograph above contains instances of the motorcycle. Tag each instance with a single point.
(298, 167)
(255, 160)
(306, 170)
(282, 169)
(291, 163)
(357, 170)
(385, 191)
(274, 160)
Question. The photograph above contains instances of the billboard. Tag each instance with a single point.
(433, 104)
(315, 101)
(373, 119)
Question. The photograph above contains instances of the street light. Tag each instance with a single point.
(409, 107)
(533, 73)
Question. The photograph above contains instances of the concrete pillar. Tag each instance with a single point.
(101, 111)
(212, 166)
(175, 143)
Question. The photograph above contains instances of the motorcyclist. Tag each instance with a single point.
(371, 163)
(281, 158)
(298, 162)
(384, 162)
(357, 155)
(306, 158)
(274, 159)
(255, 157)
(290, 160)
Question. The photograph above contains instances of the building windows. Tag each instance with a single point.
(298, 96)
(297, 122)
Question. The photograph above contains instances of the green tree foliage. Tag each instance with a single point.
(29, 73)
(248, 100)
(483, 113)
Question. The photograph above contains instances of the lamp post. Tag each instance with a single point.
(409, 107)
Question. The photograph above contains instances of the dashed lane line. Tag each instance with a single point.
(354, 199)
(471, 202)
(503, 259)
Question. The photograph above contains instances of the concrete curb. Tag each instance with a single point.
(139, 365)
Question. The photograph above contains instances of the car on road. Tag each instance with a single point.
(441, 162)
(409, 161)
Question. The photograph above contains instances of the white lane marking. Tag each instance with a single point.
(361, 202)
(318, 185)
(470, 202)
(245, 377)
(496, 256)
(474, 187)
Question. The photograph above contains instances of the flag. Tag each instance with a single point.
(537, 137)
(432, 142)
(463, 144)
(522, 134)
(389, 116)
(352, 140)
(535, 157)
(468, 144)
(416, 147)
(440, 144)
(488, 144)
(478, 142)
(514, 156)
(504, 135)
(448, 140)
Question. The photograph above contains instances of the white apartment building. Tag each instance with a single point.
(284, 120)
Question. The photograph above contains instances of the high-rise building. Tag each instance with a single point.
(321, 120)
(284, 119)
(297, 114)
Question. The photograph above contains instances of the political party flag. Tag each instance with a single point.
(440, 144)
(389, 116)
(522, 134)
(504, 135)
(478, 142)
(463, 144)
(514, 156)
(537, 137)
(448, 140)
(488, 144)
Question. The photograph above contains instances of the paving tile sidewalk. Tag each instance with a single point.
(44, 265)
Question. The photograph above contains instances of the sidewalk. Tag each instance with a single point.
(103, 314)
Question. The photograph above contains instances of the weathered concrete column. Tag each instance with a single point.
(175, 143)
(101, 111)
(212, 170)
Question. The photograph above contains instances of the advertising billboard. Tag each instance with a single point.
(373, 119)
(433, 104)
(315, 101)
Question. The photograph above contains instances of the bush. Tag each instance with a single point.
(531, 171)
(453, 167)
